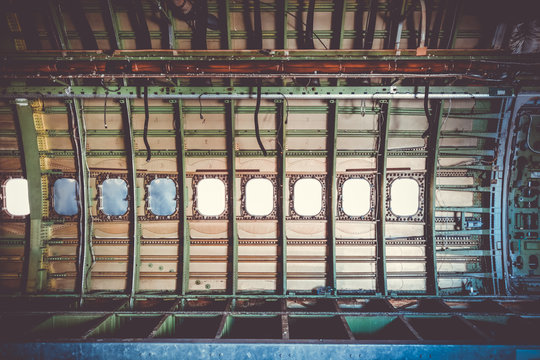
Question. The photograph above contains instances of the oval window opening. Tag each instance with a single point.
(356, 197)
(16, 193)
(114, 197)
(307, 197)
(404, 195)
(259, 197)
(211, 197)
(162, 197)
(65, 197)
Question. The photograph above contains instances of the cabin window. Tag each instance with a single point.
(16, 197)
(259, 195)
(356, 197)
(162, 196)
(65, 194)
(307, 197)
(210, 197)
(404, 197)
(114, 197)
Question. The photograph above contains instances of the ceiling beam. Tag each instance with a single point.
(33, 273)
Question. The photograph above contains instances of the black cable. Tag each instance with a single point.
(256, 119)
(105, 110)
(146, 120)
(200, 108)
(426, 110)
(297, 18)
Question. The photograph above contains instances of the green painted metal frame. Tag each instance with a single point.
(432, 161)
(183, 283)
(85, 235)
(282, 110)
(382, 155)
(134, 231)
(35, 280)
(233, 226)
(275, 92)
(333, 118)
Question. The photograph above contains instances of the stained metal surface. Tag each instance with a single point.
(456, 278)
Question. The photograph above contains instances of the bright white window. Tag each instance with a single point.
(356, 197)
(307, 197)
(404, 197)
(259, 197)
(211, 197)
(114, 197)
(16, 193)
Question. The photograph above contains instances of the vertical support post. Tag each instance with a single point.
(32, 171)
(134, 235)
(370, 28)
(282, 196)
(84, 259)
(112, 26)
(431, 183)
(338, 23)
(331, 278)
(85, 235)
(281, 24)
(233, 228)
(184, 247)
(225, 9)
(382, 154)
(58, 29)
(285, 332)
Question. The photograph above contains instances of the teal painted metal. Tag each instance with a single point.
(470, 209)
(382, 155)
(275, 92)
(432, 161)
(33, 272)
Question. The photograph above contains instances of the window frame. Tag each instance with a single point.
(293, 215)
(244, 213)
(148, 214)
(5, 215)
(101, 216)
(194, 182)
(370, 215)
(52, 212)
(419, 177)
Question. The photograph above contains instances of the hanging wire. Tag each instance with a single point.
(200, 109)
(105, 111)
(299, 19)
(146, 120)
(256, 119)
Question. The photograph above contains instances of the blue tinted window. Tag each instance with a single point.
(162, 197)
(114, 197)
(65, 197)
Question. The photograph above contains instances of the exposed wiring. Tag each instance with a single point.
(146, 120)
(299, 19)
(529, 136)
(200, 109)
(105, 111)
(256, 119)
